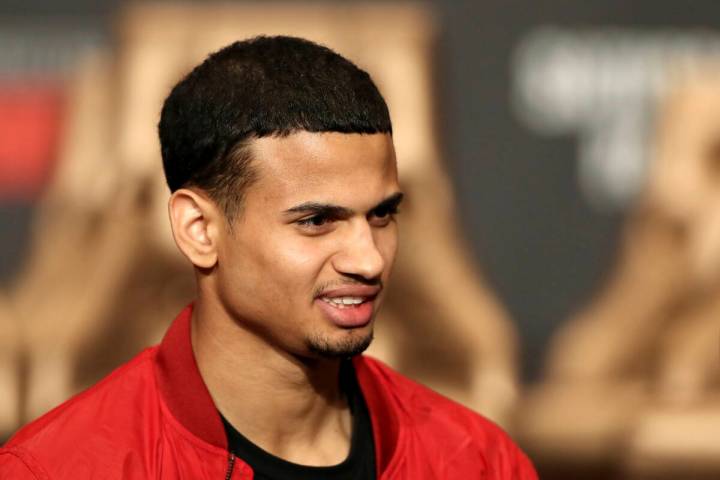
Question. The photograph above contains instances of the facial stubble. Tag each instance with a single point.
(354, 343)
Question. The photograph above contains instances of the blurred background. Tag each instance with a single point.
(560, 259)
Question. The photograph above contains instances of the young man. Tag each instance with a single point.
(279, 156)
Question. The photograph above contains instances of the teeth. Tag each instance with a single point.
(341, 302)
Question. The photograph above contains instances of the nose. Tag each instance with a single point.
(359, 255)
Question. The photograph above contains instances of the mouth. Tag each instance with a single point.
(344, 302)
(349, 306)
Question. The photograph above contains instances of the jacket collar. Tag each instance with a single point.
(189, 400)
(383, 407)
(182, 387)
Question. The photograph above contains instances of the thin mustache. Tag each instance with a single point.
(320, 290)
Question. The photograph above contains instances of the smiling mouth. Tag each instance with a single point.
(349, 306)
(344, 302)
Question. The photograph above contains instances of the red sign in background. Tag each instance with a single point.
(30, 122)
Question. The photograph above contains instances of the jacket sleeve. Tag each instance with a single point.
(524, 469)
(500, 455)
(512, 463)
(18, 465)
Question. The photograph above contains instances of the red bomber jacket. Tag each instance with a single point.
(153, 418)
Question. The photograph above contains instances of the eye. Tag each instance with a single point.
(315, 224)
(314, 221)
(382, 215)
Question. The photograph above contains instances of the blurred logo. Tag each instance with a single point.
(602, 85)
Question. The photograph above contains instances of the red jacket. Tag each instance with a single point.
(153, 418)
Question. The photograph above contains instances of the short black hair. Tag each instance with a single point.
(263, 86)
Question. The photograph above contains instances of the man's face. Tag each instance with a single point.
(307, 258)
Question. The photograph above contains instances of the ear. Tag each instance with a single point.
(195, 220)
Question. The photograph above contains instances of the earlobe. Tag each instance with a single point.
(192, 218)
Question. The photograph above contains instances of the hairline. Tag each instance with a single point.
(231, 203)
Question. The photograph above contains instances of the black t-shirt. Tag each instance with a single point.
(359, 464)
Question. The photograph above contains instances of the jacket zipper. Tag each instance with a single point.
(231, 464)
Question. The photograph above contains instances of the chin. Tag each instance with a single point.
(352, 343)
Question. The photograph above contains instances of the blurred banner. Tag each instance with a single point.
(562, 165)
(636, 369)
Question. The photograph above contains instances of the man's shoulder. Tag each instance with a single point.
(98, 418)
(462, 437)
(423, 406)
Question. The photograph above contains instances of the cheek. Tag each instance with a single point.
(290, 262)
(301, 259)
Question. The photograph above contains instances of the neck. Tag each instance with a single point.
(289, 406)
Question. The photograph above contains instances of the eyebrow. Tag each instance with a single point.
(336, 211)
(390, 202)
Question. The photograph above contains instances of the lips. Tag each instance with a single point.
(348, 306)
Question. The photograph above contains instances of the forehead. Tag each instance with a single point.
(328, 166)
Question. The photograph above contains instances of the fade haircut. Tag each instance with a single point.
(264, 86)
